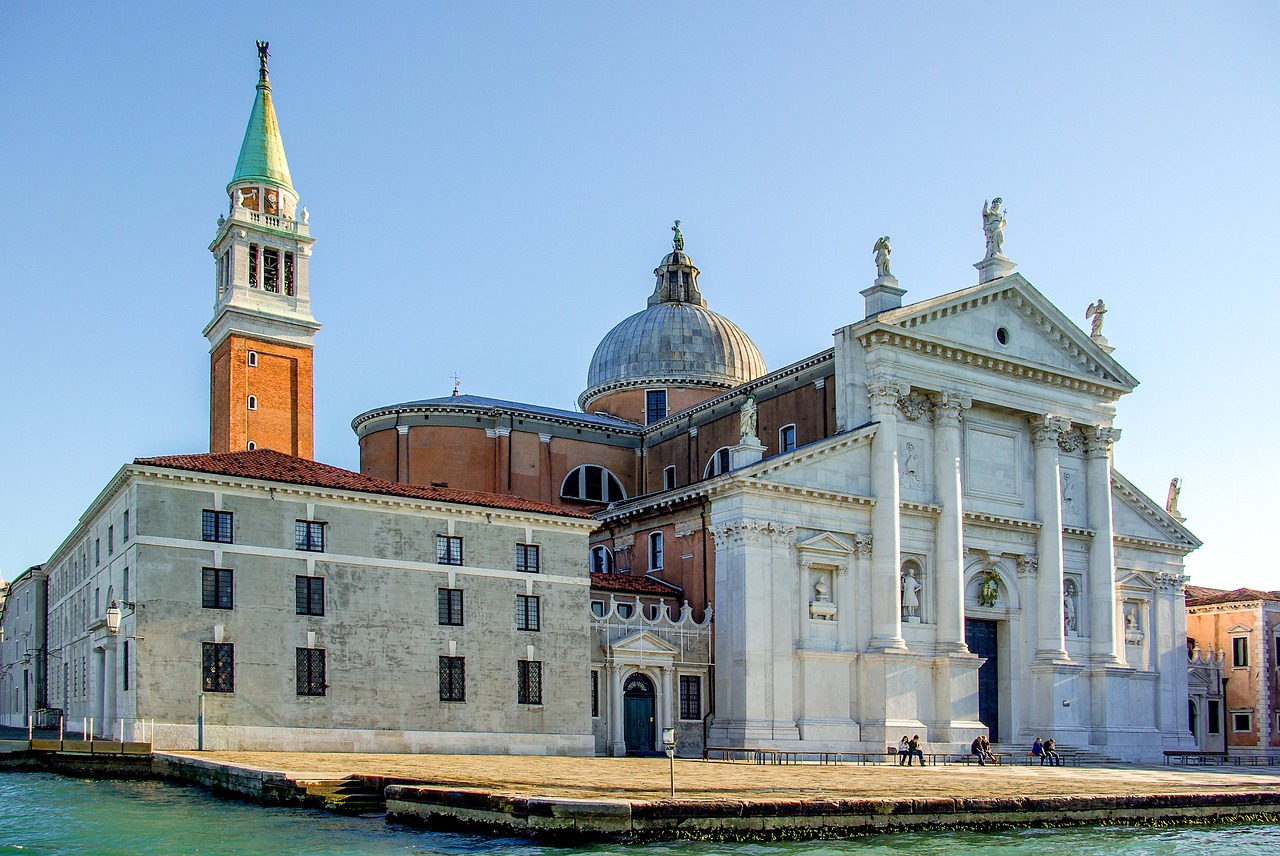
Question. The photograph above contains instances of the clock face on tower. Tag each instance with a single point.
(273, 202)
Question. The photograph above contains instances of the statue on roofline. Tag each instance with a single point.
(1096, 311)
(677, 241)
(882, 250)
(993, 223)
(747, 419)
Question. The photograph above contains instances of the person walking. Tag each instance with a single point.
(914, 750)
(1051, 752)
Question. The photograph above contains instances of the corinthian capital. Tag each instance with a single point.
(1047, 429)
(884, 391)
(1099, 439)
(947, 407)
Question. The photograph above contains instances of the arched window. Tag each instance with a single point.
(253, 358)
(718, 464)
(253, 402)
(251, 445)
(593, 484)
(655, 551)
(786, 438)
(601, 560)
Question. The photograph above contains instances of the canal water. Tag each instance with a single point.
(44, 815)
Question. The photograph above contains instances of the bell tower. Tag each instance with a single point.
(262, 332)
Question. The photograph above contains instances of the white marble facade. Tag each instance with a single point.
(972, 481)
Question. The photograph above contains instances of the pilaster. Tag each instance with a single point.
(886, 533)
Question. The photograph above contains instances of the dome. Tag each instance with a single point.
(676, 341)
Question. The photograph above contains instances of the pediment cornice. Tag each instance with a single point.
(1180, 537)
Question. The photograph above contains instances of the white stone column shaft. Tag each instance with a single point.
(617, 740)
(886, 530)
(1104, 646)
(949, 573)
(1050, 636)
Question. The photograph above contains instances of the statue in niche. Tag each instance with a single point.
(993, 223)
(1096, 311)
(911, 467)
(911, 589)
(1132, 632)
(989, 593)
(748, 419)
(1171, 503)
(1069, 609)
(822, 589)
(882, 250)
(1069, 492)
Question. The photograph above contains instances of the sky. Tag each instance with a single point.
(492, 184)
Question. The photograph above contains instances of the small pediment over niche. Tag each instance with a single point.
(1239, 628)
(1134, 581)
(643, 642)
(825, 544)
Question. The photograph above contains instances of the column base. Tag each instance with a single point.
(952, 648)
(887, 643)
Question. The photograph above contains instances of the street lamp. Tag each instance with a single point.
(112, 616)
(669, 743)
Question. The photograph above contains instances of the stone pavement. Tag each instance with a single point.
(648, 778)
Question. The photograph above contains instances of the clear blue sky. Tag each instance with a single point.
(492, 184)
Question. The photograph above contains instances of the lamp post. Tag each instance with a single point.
(669, 743)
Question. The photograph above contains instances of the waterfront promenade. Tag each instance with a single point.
(649, 778)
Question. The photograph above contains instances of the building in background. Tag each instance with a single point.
(23, 648)
(1244, 627)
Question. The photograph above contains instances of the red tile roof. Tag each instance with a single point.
(628, 584)
(1215, 596)
(267, 465)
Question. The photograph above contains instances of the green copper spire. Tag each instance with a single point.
(262, 152)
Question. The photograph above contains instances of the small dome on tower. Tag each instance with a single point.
(676, 342)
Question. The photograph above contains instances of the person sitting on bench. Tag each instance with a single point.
(1037, 750)
(978, 747)
(904, 752)
(1051, 752)
(914, 750)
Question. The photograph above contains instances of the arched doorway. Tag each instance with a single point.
(637, 716)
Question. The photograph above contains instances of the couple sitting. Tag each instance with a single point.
(1046, 750)
(909, 750)
(981, 747)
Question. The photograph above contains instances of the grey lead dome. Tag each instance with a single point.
(677, 340)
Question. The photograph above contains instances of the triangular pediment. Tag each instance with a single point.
(1136, 515)
(1240, 628)
(1036, 333)
(825, 543)
(642, 642)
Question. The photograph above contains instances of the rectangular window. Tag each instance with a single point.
(111, 540)
(449, 550)
(311, 672)
(786, 438)
(216, 526)
(97, 552)
(253, 265)
(595, 694)
(271, 270)
(668, 478)
(308, 535)
(309, 595)
(655, 551)
(124, 666)
(655, 406)
(449, 601)
(1215, 717)
(690, 697)
(124, 585)
(219, 667)
(1242, 721)
(288, 274)
(529, 681)
(453, 679)
(1240, 652)
(124, 527)
(527, 612)
(527, 558)
(216, 588)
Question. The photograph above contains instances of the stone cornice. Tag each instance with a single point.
(760, 485)
(885, 335)
(1000, 520)
(1160, 518)
(493, 413)
(1150, 544)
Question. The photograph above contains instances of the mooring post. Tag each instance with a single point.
(200, 722)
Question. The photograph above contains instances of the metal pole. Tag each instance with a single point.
(671, 757)
(200, 723)
(91, 729)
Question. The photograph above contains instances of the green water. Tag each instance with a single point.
(43, 815)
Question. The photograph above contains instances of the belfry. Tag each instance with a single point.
(261, 335)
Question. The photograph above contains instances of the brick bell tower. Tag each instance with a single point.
(262, 332)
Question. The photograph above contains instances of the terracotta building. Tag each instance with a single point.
(1244, 625)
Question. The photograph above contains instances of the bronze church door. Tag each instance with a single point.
(981, 637)
(637, 716)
